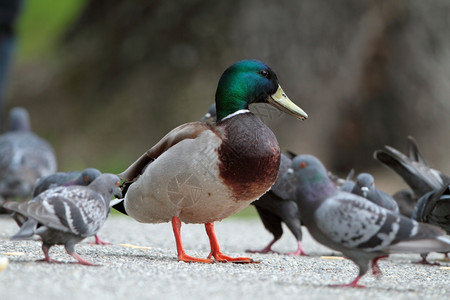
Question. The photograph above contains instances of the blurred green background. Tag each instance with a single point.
(105, 80)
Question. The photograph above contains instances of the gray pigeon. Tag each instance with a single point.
(365, 187)
(277, 206)
(84, 178)
(413, 169)
(346, 184)
(24, 157)
(210, 116)
(360, 229)
(66, 215)
(406, 201)
(434, 208)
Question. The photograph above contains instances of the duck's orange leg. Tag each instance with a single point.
(182, 256)
(217, 253)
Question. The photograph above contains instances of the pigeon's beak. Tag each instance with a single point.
(289, 173)
(281, 101)
(206, 117)
(117, 192)
(365, 191)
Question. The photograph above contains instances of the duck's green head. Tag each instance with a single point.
(251, 81)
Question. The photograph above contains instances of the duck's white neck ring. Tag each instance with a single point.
(241, 111)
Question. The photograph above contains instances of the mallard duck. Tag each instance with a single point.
(202, 173)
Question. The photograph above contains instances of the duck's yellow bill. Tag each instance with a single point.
(281, 101)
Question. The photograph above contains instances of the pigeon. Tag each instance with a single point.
(365, 187)
(406, 201)
(24, 157)
(210, 115)
(83, 178)
(66, 215)
(413, 169)
(363, 231)
(276, 206)
(202, 173)
(434, 208)
(346, 184)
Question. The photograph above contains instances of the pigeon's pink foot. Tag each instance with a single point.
(375, 268)
(299, 251)
(265, 250)
(353, 284)
(98, 241)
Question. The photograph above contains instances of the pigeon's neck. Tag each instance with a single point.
(312, 192)
(98, 186)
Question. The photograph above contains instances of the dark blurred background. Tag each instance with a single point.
(104, 80)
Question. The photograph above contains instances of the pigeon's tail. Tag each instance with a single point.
(413, 151)
(419, 177)
(428, 238)
(27, 230)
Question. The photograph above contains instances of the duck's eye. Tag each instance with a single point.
(264, 73)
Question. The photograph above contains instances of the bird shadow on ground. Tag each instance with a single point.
(146, 256)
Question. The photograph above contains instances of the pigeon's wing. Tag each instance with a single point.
(406, 200)
(54, 180)
(39, 212)
(413, 151)
(284, 187)
(38, 155)
(419, 177)
(384, 200)
(357, 223)
(434, 208)
(78, 210)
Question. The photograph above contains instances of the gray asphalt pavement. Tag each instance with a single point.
(152, 271)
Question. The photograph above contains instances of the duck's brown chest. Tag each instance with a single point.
(249, 157)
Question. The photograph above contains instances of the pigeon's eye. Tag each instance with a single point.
(264, 73)
(118, 183)
(302, 165)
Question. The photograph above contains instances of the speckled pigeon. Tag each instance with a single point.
(210, 116)
(363, 231)
(24, 157)
(277, 206)
(413, 169)
(365, 187)
(434, 208)
(66, 215)
(83, 178)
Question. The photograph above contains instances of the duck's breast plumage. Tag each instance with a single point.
(209, 177)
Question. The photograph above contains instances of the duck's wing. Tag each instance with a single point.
(182, 132)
